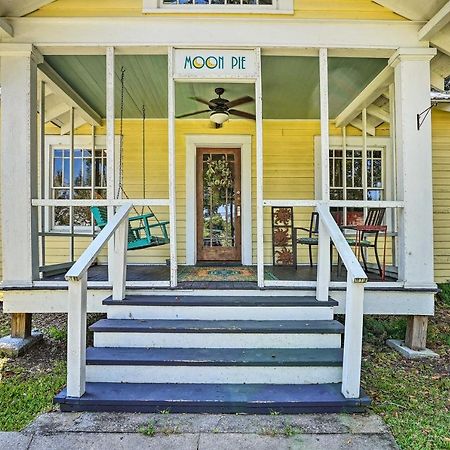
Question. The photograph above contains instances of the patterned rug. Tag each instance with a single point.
(220, 273)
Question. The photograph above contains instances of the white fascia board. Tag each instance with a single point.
(420, 10)
(379, 113)
(60, 87)
(6, 28)
(236, 32)
(436, 23)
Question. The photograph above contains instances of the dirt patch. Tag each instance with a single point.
(42, 358)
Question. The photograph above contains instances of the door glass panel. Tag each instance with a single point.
(219, 200)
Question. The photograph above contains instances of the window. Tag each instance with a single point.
(355, 176)
(219, 6)
(88, 181)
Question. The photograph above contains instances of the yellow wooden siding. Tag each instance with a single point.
(306, 9)
(288, 174)
(441, 194)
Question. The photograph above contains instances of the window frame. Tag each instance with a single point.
(54, 142)
(356, 143)
(277, 7)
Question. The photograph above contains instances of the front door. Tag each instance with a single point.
(219, 204)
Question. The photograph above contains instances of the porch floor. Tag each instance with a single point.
(152, 273)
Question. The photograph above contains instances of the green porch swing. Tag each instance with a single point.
(144, 229)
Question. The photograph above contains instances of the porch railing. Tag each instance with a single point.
(356, 278)
(77, 298)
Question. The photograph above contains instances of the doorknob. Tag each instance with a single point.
(238, 210)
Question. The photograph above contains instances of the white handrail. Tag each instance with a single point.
(347, 256)
(86, 259)
(354, 297)
(101, 202)
(117, 227)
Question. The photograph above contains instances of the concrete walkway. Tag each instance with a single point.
(113, 431)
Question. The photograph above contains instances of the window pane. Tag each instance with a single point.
(66, 179)
(337, 194)
(355, 216)
(355, 194)
(57, 172)
(77, 172)
(377, 174)
(375, 194)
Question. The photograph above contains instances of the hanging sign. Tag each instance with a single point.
(215, 64)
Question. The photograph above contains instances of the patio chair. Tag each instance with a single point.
(313, 236)
(367, 237)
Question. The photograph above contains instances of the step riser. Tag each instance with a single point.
(222, 313)
(218, 374)
(216, 340)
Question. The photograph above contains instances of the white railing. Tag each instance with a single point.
(356, 278)
(77, 282)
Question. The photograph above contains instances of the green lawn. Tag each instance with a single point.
(23, 397)
(413, 397)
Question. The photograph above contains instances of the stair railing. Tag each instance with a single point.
(356, 278)
(76, 277)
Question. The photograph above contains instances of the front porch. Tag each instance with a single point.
(288, 157)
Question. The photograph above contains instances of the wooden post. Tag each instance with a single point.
(416, 332)
(21, 325)
(76, 337)
(323, 255)
(110, 149)
(351, 365)
(259, 176)
(19, 168)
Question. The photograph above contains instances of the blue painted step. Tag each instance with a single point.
(186, 300)
(217, 326)
(213, 398)
(214, 357)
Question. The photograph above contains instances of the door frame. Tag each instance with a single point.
(244, 142)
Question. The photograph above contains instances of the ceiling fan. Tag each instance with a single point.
(220, 108)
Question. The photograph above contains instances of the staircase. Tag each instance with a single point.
(254, 353)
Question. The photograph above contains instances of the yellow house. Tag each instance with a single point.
(221, 178)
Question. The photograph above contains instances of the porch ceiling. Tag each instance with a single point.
(290, 84)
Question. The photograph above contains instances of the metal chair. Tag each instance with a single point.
(367, 237)
(311, 240)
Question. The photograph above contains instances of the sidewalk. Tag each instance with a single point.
(114, 431)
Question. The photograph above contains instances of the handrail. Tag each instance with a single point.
(347, 256)
(100, 202)
(83, 263)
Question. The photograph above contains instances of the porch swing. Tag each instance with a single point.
(141, 227)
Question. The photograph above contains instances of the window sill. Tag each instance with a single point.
(279, 7)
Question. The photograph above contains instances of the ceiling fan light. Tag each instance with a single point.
(219, 117)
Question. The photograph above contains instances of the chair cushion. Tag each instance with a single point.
(363, 243)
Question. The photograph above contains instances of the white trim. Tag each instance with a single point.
(6, 28)
(244, 142)
(95, 32)
(378, 299)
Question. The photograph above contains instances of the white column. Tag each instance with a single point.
(172, 174)
(110, 148)
(259, 176)
(19, 163)
(414, 165)
(323, 256)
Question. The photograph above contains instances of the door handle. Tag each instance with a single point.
(238, 211)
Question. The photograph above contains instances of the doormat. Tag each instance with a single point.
(220, 273)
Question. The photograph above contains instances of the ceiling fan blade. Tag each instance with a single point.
(246, 115)
(239, 101)
(193, 113)
(205, 102)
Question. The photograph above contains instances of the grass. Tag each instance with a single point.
(413, 397)
(148, 430)
(22, 399)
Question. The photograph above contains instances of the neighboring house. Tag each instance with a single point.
(326, 110)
